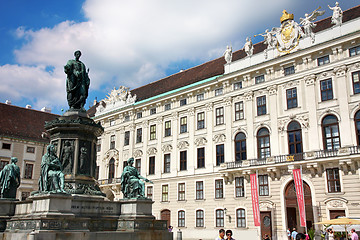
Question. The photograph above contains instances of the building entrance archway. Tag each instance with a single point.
(292, 209)
(165, 215)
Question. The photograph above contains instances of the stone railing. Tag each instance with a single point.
(109, 181)
(294, 157)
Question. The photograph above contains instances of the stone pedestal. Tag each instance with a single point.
(7, 210)
(74, 135)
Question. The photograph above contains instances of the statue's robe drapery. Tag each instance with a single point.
(131, 185)
(9, 180)
(77, 84)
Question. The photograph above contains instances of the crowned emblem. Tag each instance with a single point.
(288, 34)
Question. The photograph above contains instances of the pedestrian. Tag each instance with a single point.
(327, 234)
(293, 234)
(266, 237)
(170, 228)
(331, 234)
(221, 234)
(300, 236)
(354, 235)
(229, 235)
(306, 236)
(288, 232)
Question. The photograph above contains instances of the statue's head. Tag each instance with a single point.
(77, 54)
(50, 148)
(337, 3)
(14, 160)
(130, 161)
(306, 15)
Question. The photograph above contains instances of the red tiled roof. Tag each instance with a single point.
(216, 66)
(23, 123)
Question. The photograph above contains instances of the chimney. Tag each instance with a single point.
(8, 102)
(46, 109)
(28, 106)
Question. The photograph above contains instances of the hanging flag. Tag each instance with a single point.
(300, 196)
(255, 199)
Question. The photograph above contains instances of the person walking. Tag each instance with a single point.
(229, 235)
(293, 234)
(221, 234)
(354, 235)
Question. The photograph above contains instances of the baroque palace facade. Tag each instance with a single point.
(269, 109)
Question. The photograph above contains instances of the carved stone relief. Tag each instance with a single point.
(183, 145)
(167, 148)
(152, 151)
(201, 141)
(218, 138)
(137, 153)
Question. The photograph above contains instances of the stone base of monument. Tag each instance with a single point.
(83, 217)
(7, 210)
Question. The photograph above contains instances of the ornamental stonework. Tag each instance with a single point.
(219, 138)
(167, 148)
(336, 204)
(183, 145)
(201, 141)
(138, 153)
(152, 151)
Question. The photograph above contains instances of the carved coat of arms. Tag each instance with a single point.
(288, 34)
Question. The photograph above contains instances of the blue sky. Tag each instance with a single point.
(129, 43)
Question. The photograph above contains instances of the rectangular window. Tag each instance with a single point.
(127, 138)
(139, 135)
(126, 118)
(356, 82)
(98, 145)
(6, 146)
(219, 115)
(200, 97)
(183, 160)
(112, 122)
(201, 120)
(201, 157)
(218, 92)
(167, 163)
(167, 106)
(333, 180)
(165, 193)
(151, 165)
(240, 218)
(183, 125)
(237, 85)
(153, 132)
(263, 185)
(28, 173)
(199, 190)
(261, 105)
(289, 70)
(219, 154)
(239, 110)
(2, 164)
(326, 89)
(139, 115)
(239, 187)
(152, 111)
(259, 79)
(181, 192)
(167, 128)
(30, 149)
(149, 192)
(354, 51)
(112, 142)
(323, 60)
(138, 165)
(220, 218)
(181, 219)
(199, 218)
(219, 189)
(291, 98)
(183, 102)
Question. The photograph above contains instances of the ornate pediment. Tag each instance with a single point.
(201, 141)
(167, 148)
(183, 145)
(218, 138)
(138, 153)
(152, 151)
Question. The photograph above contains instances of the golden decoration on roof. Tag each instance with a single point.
(286, 16)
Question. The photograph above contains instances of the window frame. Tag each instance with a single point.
(181, 218)
(333, 136)
(112, 141)
(219, 213)
(356, 85)
(153, 132)
(183, 125)
(199, 219)
(333, 184)
(30, 149)
(220, 154)
(183, 102)
(152, 165)
(239, 187)
(126, 138)
(289, 70)
(291, 98)
(28, 171)
(139, 135)
(219, 91)
(167, 107)
(149, 192)
(199, 190)
(167, 131)
(327, 93)
(183, 160)
(267, 146)
(296, 142)
(219, 116)
(181, 192)
(261, 105)
(200, 122)
(260, 79)
(354, 51)
(264, 189)
(238, 144)
(152, 111)
(241, 218)
(165, 193)
(138, 164)
(200, 157)
(200, 97)
(239, 110)
(323, 60)
(219, 189)
(167, 160)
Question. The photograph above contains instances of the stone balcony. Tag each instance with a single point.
(313, 162)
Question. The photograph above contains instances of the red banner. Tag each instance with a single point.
(255, 199)
(300, 195)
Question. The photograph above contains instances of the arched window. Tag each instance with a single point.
(263, 142)
(181, 218)
(111, 170)
(240, 147)
(294, 137)
(219, 218)
(331, 135)
(240, 218)
(357, 126)
(199, 218)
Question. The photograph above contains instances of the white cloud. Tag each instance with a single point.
(132, 42)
